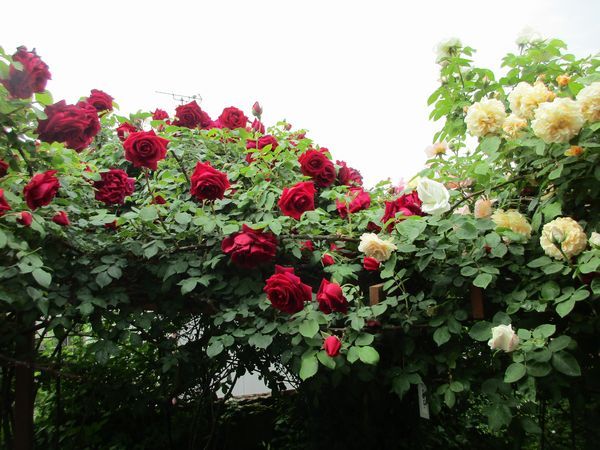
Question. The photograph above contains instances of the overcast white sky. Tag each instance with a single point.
(356, 74)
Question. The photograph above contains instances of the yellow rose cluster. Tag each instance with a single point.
(513, 220)
(485, 117)
(563, 234)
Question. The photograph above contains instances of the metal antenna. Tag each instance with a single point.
(182, 98)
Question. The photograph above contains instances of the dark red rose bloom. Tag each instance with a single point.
(208, 183)
(373, 227)
(4, 206)
(258, 126)
(331, 298)
(3, 168)
(262, 142)
(160, 114)
(250, 247)
(360, 200)
(41, 190)
(315, 164)
(158, 200)
(100, 100)
(297, 199)
(371, 264)
(348, 175)
(233, 118)
(61, 219)
(308, 245)
(124, 130)
(190, 116)
(407, 204)
(75, 125)
(327, 260)
(286, 292)
(111, 225)
(25, 218)
(31, 78)
(333, 247)
(332, 346)
(113, 187)
(145, 149)
(257, 109)
(373, 323)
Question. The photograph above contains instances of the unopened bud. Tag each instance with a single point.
(288, 126)
(257, 110)
(563, 80)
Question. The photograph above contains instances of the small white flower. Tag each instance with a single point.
(371, 245)
(434, 195)
(503, 338)
(595, 240)
(528, 36)
(445, 48)
(439, 148)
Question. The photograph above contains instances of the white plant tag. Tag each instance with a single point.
(423, 405)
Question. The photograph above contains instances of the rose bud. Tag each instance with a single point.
(257, 110)
(124, 130)
(371, 264)
(331, 298)
(4, 206)
(25, 218)
(308, 246)
(288, 126)
(373, 323)
(327, 260)
(61, 219)
(3, 168)
(503, 338)
(332, 346)
(563, 80)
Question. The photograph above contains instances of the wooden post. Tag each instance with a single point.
(477, 302)
(24, 393)
(376, 294)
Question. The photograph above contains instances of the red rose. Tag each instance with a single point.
(233, 118)
(145, 149)
(113, 187)
(158, 200)
(286, 292)
(331, 298)
(31, 78)
(75, 125)
(160, 114)
(332, 346)
(257, 109)
(250, 247)
(124, 130)
(100, 100)
(258, 126)
(333, 247)
(111, 225)
(360, 200)
(61, 219)
(315, 164)
(208, 183)
(3, 168)
(308, 245)
(190, 116)
(373, 227)
(327, 260)
(25, 218)
(407, 204)
(371, 264)
(348, 175)
(297, 199)
(4, 206)
(262, 142)
(41, 189)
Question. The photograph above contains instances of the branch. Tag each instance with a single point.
(182, 167)
(32, 365)
(482, 191)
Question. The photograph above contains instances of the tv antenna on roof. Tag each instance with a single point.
(182, 98)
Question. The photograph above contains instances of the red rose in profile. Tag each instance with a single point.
(262, 142)
(297, 199)
(407, 204)
(258, 126)
(100, 100)
(360, 200)
(331, 298)
(124, 130)
(75, 125)
(315, 164)
(145, 149)
(348, 175)
(190, 116)
(308, 245)
(31, 78)
(113, 187)
(41, 190)
(4, 206)
(332, 346)
(25, 218)
(208, 183)
(373, 227)
(250, 247)
(371, 264)
(160, 114)
(233, 118)
(286, 292)
(327, 260)
(61, 219)
(3, 168)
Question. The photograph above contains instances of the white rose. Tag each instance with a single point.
(371, 245)
(503, 338)
(528, 36)
(445, 48)
(434, 195)
(595, 240)
(589, 101)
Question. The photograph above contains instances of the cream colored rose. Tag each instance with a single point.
(525, 98)
(463, 210)
(434, 195)
(445, 49)
(504, 338)
(589, 101)
(513, 220)
(485, 117)
(563, 233)
(439, 148)
(528, 36)
(558, 121)
(483, 208)
(513, 125)
(595, 240)
(372, 246)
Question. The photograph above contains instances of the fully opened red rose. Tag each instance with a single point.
(332, 346)
(297, 199)
(160, 114)
(190, 116)
(31, 78)
(360, 199)
(315, 164)
(4, 206)
(407, 204)
(75, 125)
(41, 190)
(233, 118)
(286, 292)
(124, 130)
(61, 219)
(331, 298)
(208, 183)
(113, 186)
(100, 100)
(348, 175)
(259, 144)
(145, 149)
(250, 247)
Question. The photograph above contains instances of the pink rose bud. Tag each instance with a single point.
(257, 109)
(371, 264)
(327, 260)
(61, 219)
(25, 218)
(332, 346)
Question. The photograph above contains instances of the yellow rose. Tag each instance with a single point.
(558, 121)
(482, 208)
(513, 220)
(589, 101)
(574, 150)
(372, 246)
(563, 233)
(513, 125)
(485, 117)
(563, 80)
(525, 98)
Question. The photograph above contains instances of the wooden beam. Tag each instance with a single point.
(376, 294)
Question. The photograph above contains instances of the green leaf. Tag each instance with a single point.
(559, 343)
(482, 280)
(368, 355)
(490, 144)
(260, 340)
(544, 331)
(564, 308)
(441, 335)
(42, 277)
(514, 372)
(326, 360)
(481, 331)
(275, 227)
(565, 363)
(308, 367)
(538, 369)
(499, 415)
(309, 328)
(103, 279)
(148, 213)
(539, 262)
(352, 355)
(188, 285)
(364, 339)
(468, 271)
(449, 398)
(214, 349)
(183, 218)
